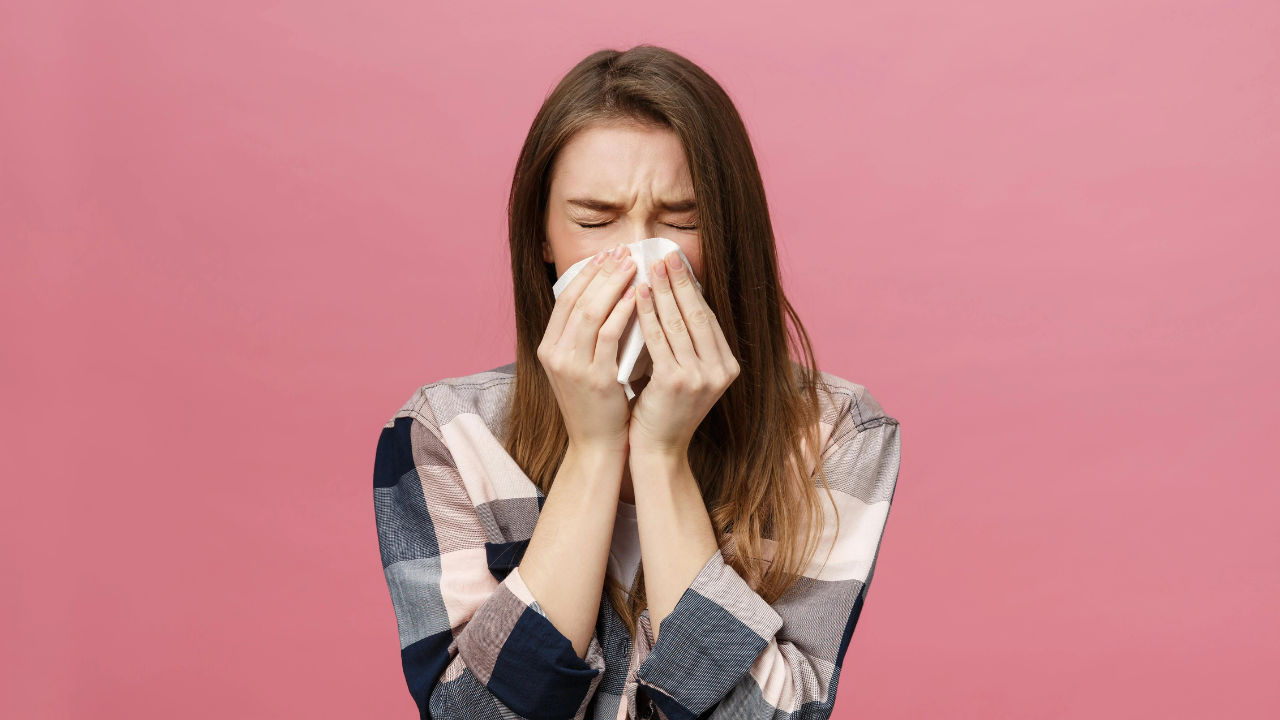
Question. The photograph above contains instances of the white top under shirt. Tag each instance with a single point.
(624, 549)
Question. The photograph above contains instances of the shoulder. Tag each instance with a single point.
(485, 393)
(861, 456)
(849, 407)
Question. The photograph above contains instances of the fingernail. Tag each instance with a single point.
(600, 257)
(660, 269)
(626, 264)
(673, 259)
(644, 291)
(619, 251)
(630, 291)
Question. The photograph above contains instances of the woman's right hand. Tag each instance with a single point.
(579, 351)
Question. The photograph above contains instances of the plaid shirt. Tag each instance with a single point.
(455, 513)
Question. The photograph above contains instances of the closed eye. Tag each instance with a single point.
(593, 225)
(681, 227)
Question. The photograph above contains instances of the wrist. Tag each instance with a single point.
(659, 460)
(596, 454)
(657, 441)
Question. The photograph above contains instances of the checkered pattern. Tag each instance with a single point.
(455, 514)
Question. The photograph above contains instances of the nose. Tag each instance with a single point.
(648, 227)
(643, 230)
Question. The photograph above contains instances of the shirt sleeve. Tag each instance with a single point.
(474, 643)
(724, 652)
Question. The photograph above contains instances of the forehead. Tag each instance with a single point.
(622, 159)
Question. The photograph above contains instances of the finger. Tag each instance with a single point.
(693, 308)
(607, 266)
(606, 301)
(655, 338)
(611, 331)
(673, 324)
(599, 264)
(726, 352)
(594, 309)
(569, 296)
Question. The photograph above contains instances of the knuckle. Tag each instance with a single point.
(675, 325)
(699, 317)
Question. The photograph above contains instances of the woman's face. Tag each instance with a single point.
(617, 184)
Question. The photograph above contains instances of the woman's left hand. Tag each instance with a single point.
(692, 362)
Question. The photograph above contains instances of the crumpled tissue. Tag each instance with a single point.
(633, 357)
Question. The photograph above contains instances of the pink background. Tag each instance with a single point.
(235, 238)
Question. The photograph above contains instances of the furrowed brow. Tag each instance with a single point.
(593, 204)
(679, 206)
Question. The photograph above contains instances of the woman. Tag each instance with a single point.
(555, 550)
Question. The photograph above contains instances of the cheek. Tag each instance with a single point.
(693, 250)
(561, 245)
(570, 244)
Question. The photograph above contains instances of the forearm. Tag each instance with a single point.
(676, 536)
(564, 565)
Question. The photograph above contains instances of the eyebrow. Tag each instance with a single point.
(606, 206)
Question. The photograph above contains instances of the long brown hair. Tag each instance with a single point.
(743, 452)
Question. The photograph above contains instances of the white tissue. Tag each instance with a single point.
(633, 356)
